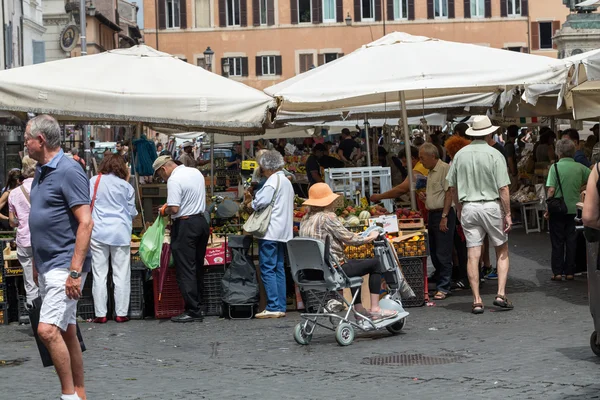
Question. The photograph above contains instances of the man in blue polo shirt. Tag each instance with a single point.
(61, 227)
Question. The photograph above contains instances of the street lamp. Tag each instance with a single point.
(348, 19)
(226, 68)
(208, 57)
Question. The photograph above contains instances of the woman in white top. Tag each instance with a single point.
(272, 245)
(113, 210)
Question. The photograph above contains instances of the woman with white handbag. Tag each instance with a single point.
(273, 222)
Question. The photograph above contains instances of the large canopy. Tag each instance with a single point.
(139, 84)
(585, 96)
(421, 67)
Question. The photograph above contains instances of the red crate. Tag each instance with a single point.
(171, 302)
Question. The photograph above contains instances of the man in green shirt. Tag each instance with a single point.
(571, 177)
(479, 180)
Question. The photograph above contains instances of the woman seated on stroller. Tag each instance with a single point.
(321, 222)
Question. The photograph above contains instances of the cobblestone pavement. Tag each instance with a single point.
(540, 350)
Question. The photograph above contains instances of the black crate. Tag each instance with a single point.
(23, 313)
(86, 292)
(412, 268)
(85, 308)
(136, 298)
(136, 262)
(212, 290)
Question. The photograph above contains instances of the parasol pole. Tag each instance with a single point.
(212, 164)
(366, 124)
(409, 166)
(138, 134)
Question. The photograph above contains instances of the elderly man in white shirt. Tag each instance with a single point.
(186, 203)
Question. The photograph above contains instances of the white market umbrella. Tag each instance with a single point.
(138, 84)
(401, 67)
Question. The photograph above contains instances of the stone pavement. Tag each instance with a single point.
(540, 350)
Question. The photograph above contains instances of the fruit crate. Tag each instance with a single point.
(412, 248)
(212, 291)
(3, 314)
(136, 298)
(3, 294)
(410, 223)
(414, 273)
(85, 309)
(359, 252)
(171, 302)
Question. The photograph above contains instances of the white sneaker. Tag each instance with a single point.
(70, 397)
(268, 314)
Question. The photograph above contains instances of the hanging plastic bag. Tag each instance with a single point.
(151, 244)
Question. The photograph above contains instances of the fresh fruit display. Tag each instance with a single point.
(351, 213)
(353, 221)
(359, 252)
(226, 229)
(416, 246)
(364, 215)
(298, 214)
(407, 213)
(298, 201)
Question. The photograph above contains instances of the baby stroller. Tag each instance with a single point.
(314, 272)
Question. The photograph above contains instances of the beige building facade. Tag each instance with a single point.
(267, 41)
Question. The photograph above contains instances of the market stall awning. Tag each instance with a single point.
(585, 95)
(290, 132)
(418, 66)
(139, 84)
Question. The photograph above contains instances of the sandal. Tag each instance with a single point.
(383, 314)
(503, 302)
(440, 296)
(570, 277)
(556, 278)
(477, 308)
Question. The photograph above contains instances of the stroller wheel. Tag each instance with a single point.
(594, 345)
(344, 334)
(300, 336)
(396, 328)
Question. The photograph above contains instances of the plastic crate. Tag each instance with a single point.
(23, 313)
(413, 248)
(359, 252)
(171, 302)
(136, 262)
(86, 292)
(85, 309)
(136, 298)
(413, 271)
(348, 180)
(212, 293)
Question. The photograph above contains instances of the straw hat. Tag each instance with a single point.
(482, 126)
(187, 144)
(320, 195)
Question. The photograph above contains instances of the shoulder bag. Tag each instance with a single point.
(26, 194)
(258, 222)
(95, 192)
(557, 205)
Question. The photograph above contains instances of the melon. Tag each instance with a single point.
(342, 220)
(364, 215)
(353, 221)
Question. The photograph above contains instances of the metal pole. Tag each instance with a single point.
(212, 164)
(367, 141)
(82, 27)
(409, 166)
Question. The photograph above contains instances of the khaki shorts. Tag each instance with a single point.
(479, 219)
(57, 308)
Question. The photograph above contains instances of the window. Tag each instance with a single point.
(200, 62)
(367, 10)
(202, 13)
(39, 52)
(329, 11)
(233, 13)
(515, 49)
(329, 57)
(440, 8)
(545, 35)
(173, 17)
(477, 8)
(305, 11)
(235, 66)
(514, 7)
(268, 65)
(400, 9)
(306, 62)
(263, 12)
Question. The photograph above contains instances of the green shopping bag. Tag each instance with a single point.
(152, 242)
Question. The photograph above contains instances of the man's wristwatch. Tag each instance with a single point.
(74, 274)
(444, 215)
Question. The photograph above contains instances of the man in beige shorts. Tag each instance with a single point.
(480, 183)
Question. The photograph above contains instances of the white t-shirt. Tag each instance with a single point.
(187, 191)
(281, 225)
